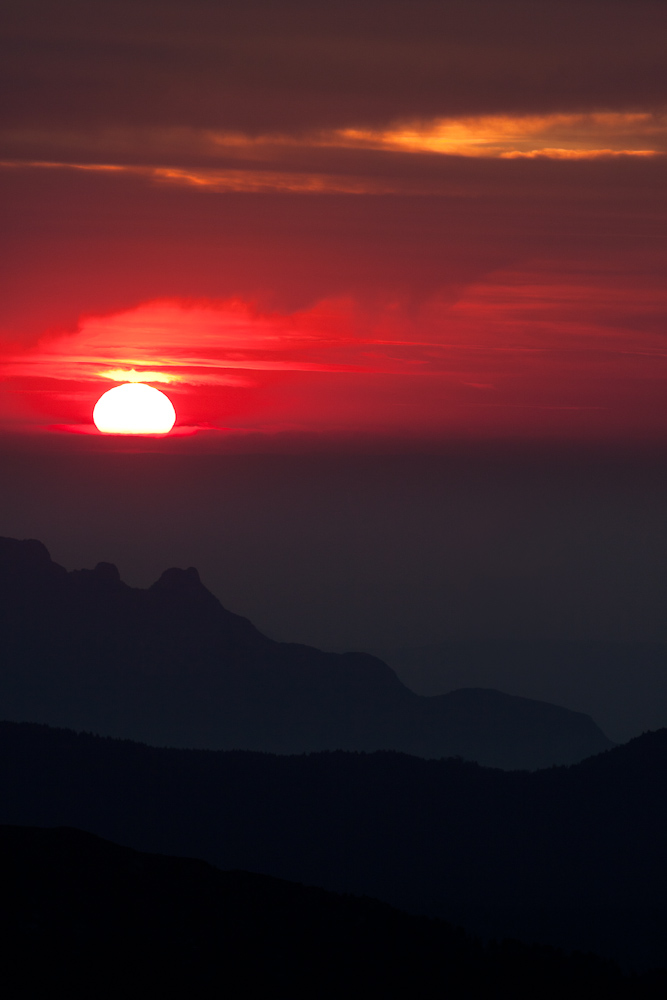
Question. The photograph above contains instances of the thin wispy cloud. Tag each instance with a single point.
(282, 162)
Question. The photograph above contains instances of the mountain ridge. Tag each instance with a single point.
(621, 683)
(569, 856)
(80, 912)
(169, 665)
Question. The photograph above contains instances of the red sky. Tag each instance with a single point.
(423, 221)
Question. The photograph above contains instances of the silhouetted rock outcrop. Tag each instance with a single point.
(170, 666)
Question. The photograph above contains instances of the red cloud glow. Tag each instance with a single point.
(519, 353)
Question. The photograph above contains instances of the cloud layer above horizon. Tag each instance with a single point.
(428, 220)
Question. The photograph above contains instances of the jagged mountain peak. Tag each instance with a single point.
(169, 665)
(107, 571)
(179, 579)
(25, 555)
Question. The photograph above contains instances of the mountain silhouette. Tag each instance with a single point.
(80, 913)
(622, 684)
(171, 667)
(571, 856)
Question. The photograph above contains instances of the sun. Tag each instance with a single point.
(134, 408)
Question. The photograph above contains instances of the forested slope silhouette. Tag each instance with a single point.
(573, 856)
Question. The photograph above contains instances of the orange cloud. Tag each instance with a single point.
(240, 181)
(555, 136)
(280, 163)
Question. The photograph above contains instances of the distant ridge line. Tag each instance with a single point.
(170, 666)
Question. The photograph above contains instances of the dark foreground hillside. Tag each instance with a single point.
(574, 857)
(84, 917)
(170, 666)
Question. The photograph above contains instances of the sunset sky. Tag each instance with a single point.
(409, 222)
(400, 268)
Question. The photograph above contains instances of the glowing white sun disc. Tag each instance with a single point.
(134, 408)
